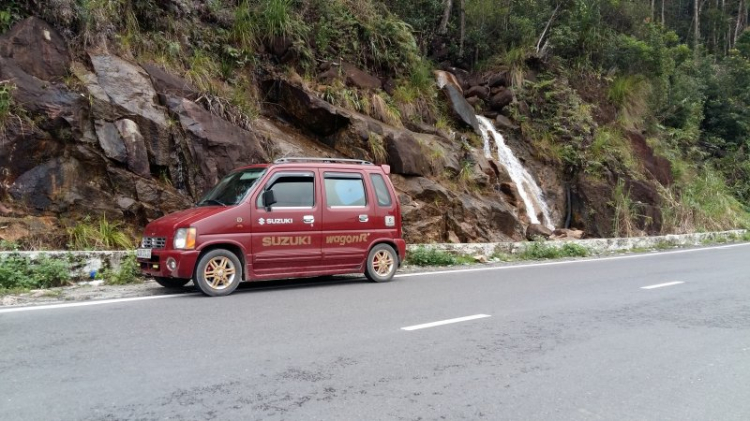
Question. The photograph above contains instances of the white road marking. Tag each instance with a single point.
(667, 284)
(569, 262)
(446, 322)
(86, 303)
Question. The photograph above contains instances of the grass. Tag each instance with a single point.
(377, 148)
(626, 212)
(609, 148)
(701, 202)
(630, 95)
(6, 104)
(103, 234)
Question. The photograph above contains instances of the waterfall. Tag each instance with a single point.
(530, 192)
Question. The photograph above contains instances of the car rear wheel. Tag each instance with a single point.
(171, 282)
(382, 262)
(218, 273)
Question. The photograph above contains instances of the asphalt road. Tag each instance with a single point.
(576, 340)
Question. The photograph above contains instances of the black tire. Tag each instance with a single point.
(218, 273)
(171, 282)
(381, 264)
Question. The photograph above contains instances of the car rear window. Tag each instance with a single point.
(381, 190)
(345, 190)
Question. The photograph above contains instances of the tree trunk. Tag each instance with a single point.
(546, 28)
(462, 12)
(696, 24)
(738, 28)
(662, 12)
(443, 28)
(653, 10)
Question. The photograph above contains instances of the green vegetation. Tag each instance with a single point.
(423, 256)
(6, 101)
(127, 273)
(543, 250)
(18, 272)
(100, 235)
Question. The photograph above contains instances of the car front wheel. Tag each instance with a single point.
(218, 273)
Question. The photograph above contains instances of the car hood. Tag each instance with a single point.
(168, 223)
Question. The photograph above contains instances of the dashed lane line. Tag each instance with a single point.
(446, 322)
(666, 284)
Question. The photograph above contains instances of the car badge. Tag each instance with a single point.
(262, 221)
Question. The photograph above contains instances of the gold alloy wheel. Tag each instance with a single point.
(219, 272)
(382, 262)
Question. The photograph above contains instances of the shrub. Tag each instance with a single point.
(17, 272)
(128, 273)
(423, 256)
(541, 250)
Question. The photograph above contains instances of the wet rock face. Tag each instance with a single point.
(167, 84)
(213, 144)
(308, 110)
(37, 49)
(406, 156)
(535, 231)
(455, 97)
(593, 207)
(128, 93)
(432, 213)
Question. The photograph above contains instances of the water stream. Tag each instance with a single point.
(528, 189)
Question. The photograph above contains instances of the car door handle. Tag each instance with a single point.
(308, 219)
(364, 218)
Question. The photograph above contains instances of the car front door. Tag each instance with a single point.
(286, 234)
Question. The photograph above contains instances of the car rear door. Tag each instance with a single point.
(348, 219)
(286, 237)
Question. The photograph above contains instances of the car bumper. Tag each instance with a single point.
(157, 265)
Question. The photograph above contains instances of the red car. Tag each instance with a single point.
(297, 217)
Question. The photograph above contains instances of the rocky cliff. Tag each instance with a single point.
(92, 132)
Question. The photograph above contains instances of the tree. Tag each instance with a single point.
(443, 28)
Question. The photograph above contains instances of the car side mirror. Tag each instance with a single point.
(268, 200)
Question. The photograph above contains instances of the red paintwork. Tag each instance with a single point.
(336, 243)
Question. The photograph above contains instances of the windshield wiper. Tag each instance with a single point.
(218, 202)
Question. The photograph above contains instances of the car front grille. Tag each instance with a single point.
(153, 242)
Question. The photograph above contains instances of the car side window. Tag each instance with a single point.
(345, 190)
(381, 190)
(292, 191)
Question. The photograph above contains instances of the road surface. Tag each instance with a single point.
(660, 336)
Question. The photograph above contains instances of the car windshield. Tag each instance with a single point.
(233, 188)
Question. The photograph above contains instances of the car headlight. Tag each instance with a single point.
(184, 239)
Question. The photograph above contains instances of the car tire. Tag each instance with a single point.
(381, 264)
(218, 273)
(171, 282)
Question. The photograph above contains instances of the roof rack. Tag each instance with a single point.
(325, 160)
